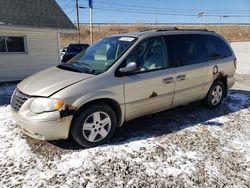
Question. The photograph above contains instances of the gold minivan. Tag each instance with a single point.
(120, 78)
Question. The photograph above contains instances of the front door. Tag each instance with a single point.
(151, 88)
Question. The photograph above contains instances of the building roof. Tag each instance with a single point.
(42, 14)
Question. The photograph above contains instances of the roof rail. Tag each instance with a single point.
(175, 29)
(193, 29)
(167, 29)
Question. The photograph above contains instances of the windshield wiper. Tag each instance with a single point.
(90, 69)
(71, 68)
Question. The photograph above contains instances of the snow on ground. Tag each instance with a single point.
(6, 91)
(186, 146)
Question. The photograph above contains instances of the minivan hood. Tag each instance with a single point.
(49, 81)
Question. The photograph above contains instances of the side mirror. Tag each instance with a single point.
(131, 67)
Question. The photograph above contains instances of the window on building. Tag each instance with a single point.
(12, 44)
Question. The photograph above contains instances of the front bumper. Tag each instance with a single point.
(52, 129)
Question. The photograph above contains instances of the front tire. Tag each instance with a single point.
(93, 125)
(215, 95)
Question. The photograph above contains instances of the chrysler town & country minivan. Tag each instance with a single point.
(123, 77)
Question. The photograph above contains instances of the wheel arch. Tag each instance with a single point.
(107, 101)
(222, 78)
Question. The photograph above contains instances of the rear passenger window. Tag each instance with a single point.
(185, 49)
(216, 47)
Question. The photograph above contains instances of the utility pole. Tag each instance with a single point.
(205, 19)
(223, 16)
(78, 24)
(219, 25)
(157, 12)
(91, 21)
(202, 14)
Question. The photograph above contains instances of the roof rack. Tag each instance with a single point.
(165, 29)
(193, 29)
(175, 29)
(168, 29)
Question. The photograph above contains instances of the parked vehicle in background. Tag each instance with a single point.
(73, 50)
(63, 50)
(123, 77)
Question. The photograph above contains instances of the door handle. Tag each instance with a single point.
(168, 80)
(181, 77)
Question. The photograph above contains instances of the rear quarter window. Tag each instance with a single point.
(216, 47)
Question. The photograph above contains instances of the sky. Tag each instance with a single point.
(160, 11)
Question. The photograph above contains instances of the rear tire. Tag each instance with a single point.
(215, 95)
(93, 125)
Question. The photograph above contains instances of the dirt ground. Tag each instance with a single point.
(183, 147)
(230, 32)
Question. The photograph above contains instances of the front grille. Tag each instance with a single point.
(18, 99)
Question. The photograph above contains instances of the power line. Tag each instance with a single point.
(168, 12)
(169, 9)
(138, 12)
(146, 10)
(164, 13)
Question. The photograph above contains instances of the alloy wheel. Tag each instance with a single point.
(96, 126)
(216, 95)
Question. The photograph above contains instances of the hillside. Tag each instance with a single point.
(230, 32)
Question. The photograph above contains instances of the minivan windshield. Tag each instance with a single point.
(100, 56)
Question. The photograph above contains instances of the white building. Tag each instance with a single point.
(29, 36)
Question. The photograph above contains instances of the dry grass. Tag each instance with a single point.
(232, 33)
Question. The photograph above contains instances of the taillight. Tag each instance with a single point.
(235, 63)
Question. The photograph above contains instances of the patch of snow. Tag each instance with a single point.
(6, 91)
(15, 151)
(181, 162)
(240, 100)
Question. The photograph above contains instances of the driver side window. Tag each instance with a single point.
(149, 55)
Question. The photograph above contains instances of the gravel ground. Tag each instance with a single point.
(184, 147)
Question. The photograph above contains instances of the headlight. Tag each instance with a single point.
(40, 105)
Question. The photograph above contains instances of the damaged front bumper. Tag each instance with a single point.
(45, 126)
